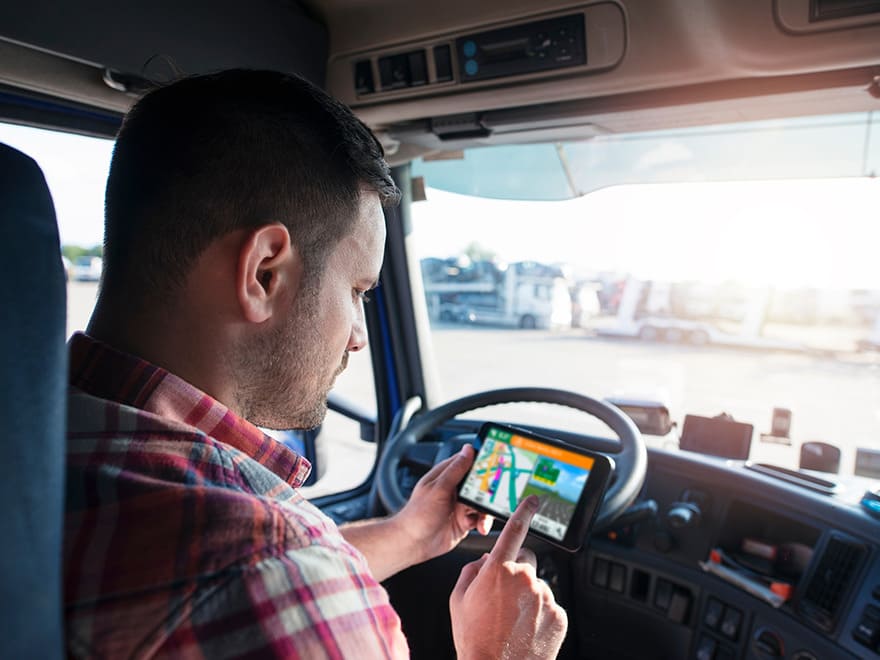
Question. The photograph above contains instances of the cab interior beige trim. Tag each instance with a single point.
(46, 73)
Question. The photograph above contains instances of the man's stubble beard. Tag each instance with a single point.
(281, 379)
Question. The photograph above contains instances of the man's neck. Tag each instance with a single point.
(182, 342)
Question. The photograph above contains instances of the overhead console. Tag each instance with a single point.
(575, 41)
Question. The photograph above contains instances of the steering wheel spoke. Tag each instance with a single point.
(421, 456)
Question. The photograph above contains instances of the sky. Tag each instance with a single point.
(818, 233)
(815, 232)
(76, 169)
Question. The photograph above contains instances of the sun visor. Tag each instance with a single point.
(748, 151)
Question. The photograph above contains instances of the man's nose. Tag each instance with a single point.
(358, 338)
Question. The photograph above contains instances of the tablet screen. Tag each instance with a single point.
(511, 466)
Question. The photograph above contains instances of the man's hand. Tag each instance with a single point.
(431, 523)
(433, 520)
(499, 607)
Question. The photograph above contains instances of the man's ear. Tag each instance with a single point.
(269, 272)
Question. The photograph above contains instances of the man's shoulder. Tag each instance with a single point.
(160, 514)
(137, 481)
(90, 416)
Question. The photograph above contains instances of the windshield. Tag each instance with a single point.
(730, 270)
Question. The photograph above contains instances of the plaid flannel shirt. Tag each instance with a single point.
(185, 535)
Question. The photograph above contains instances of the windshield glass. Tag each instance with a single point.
(745, 284)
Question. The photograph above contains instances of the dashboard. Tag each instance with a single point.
(648, 586)
(648, 578)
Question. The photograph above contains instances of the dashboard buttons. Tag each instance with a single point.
(386, 72)
(709, 649)
(867, 632)
(679, 605)
(363, 77)
(609, 575)
(663, 595)
(418, 68)
(714, 612)
(400, 76)
(706, 648)
(521, 49)
(617, 578)
(731, 623)
(600, 573)
(403, 70)
(443, 63)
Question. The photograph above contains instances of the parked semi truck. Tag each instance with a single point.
(524, 294)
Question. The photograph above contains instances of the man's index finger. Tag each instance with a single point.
(514, 533)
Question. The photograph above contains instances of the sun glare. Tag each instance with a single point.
(788, 234)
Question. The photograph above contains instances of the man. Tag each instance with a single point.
(244, 226)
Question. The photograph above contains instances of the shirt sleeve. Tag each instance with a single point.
(312, 602)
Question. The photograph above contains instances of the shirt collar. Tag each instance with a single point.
(103, 371)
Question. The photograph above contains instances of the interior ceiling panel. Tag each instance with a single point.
(673, 44)
(157, 40)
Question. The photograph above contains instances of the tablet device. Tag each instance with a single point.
(512, 464)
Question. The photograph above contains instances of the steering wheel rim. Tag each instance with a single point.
(631, 461)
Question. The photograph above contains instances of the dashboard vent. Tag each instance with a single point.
(830, 581)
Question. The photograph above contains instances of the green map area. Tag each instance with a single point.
(546, 471)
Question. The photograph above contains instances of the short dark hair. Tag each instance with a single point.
(209, 154)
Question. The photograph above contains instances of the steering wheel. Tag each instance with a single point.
(631, 461)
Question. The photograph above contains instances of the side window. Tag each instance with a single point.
(76, 169)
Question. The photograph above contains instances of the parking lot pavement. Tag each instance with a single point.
(833, 398)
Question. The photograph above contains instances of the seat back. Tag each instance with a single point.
(33, 375)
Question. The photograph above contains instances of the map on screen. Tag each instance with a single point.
(510, 467)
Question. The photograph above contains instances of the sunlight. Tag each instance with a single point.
(756, 233)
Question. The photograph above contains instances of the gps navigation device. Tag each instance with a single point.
(512, 464)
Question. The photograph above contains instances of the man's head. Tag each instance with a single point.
(250, 174)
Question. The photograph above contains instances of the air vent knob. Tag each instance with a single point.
(683, 514)
(768, 644)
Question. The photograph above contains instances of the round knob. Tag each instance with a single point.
(768, 644)
(683, 514)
